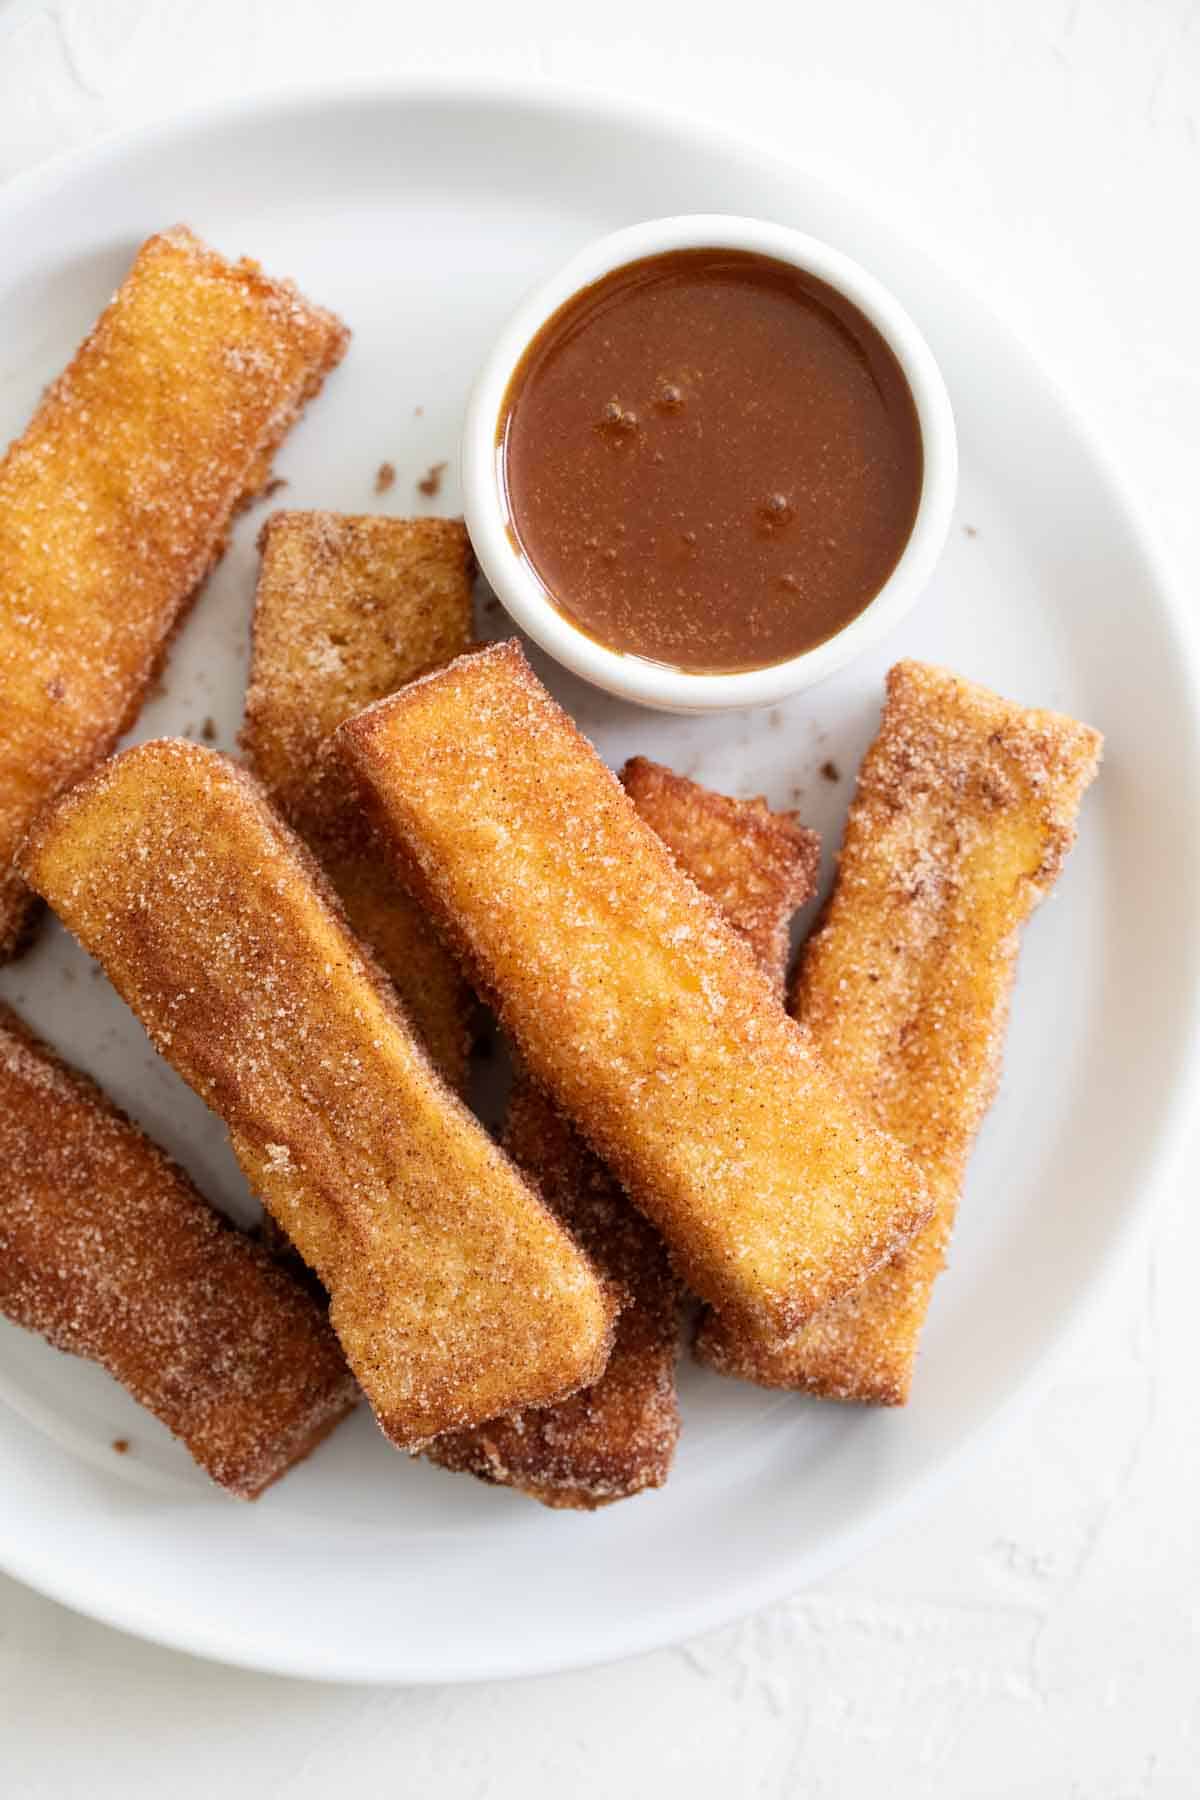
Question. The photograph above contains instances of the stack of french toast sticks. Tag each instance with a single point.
(417, 828)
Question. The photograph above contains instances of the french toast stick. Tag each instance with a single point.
(117, 500)
(628, 996)
(964, 813)
(758, 866)
(617, 1438)
(347, 609)
(454, 1292)
(109, 1252)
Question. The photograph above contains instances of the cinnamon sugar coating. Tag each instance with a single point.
(116, 502)
(629, 997)
(455, 1294)
(349, 608)
(964, 813)
(758, 866)
(109, 1252)
(617, 1437)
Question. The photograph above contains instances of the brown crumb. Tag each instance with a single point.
(418, 412)
(208, 731)
(121, 1446)
(830, 770)
(491, 604)
(385, 477)
(430, 483)
(275, 486)
(971, 530)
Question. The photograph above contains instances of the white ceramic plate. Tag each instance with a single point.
(421, 214)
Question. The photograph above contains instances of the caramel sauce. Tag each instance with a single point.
(710, 459)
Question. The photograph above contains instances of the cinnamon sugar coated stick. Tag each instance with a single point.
(758, 866)
(617, 1438)
(117, 501)
(348, 609)
(108, 1251)
(628, 996)
(964, 813)
(454, 1292)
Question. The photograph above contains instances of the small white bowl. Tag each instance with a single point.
(517, 584)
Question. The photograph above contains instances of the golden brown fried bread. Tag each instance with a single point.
(964, 813)
(616, 1438)
(629, 997)
(437, 999)
(117, 501)
(347, 610)
(758, 866)
(454, 1292)
(108, 1251)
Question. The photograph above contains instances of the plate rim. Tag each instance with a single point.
(657, 1628)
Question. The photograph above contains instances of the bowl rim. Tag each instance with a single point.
(521, 591)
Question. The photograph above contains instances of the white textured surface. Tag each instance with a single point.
(1037, 1631)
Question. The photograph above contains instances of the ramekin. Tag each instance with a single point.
(635, 678)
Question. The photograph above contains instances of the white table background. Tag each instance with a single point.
(1037, 1630)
